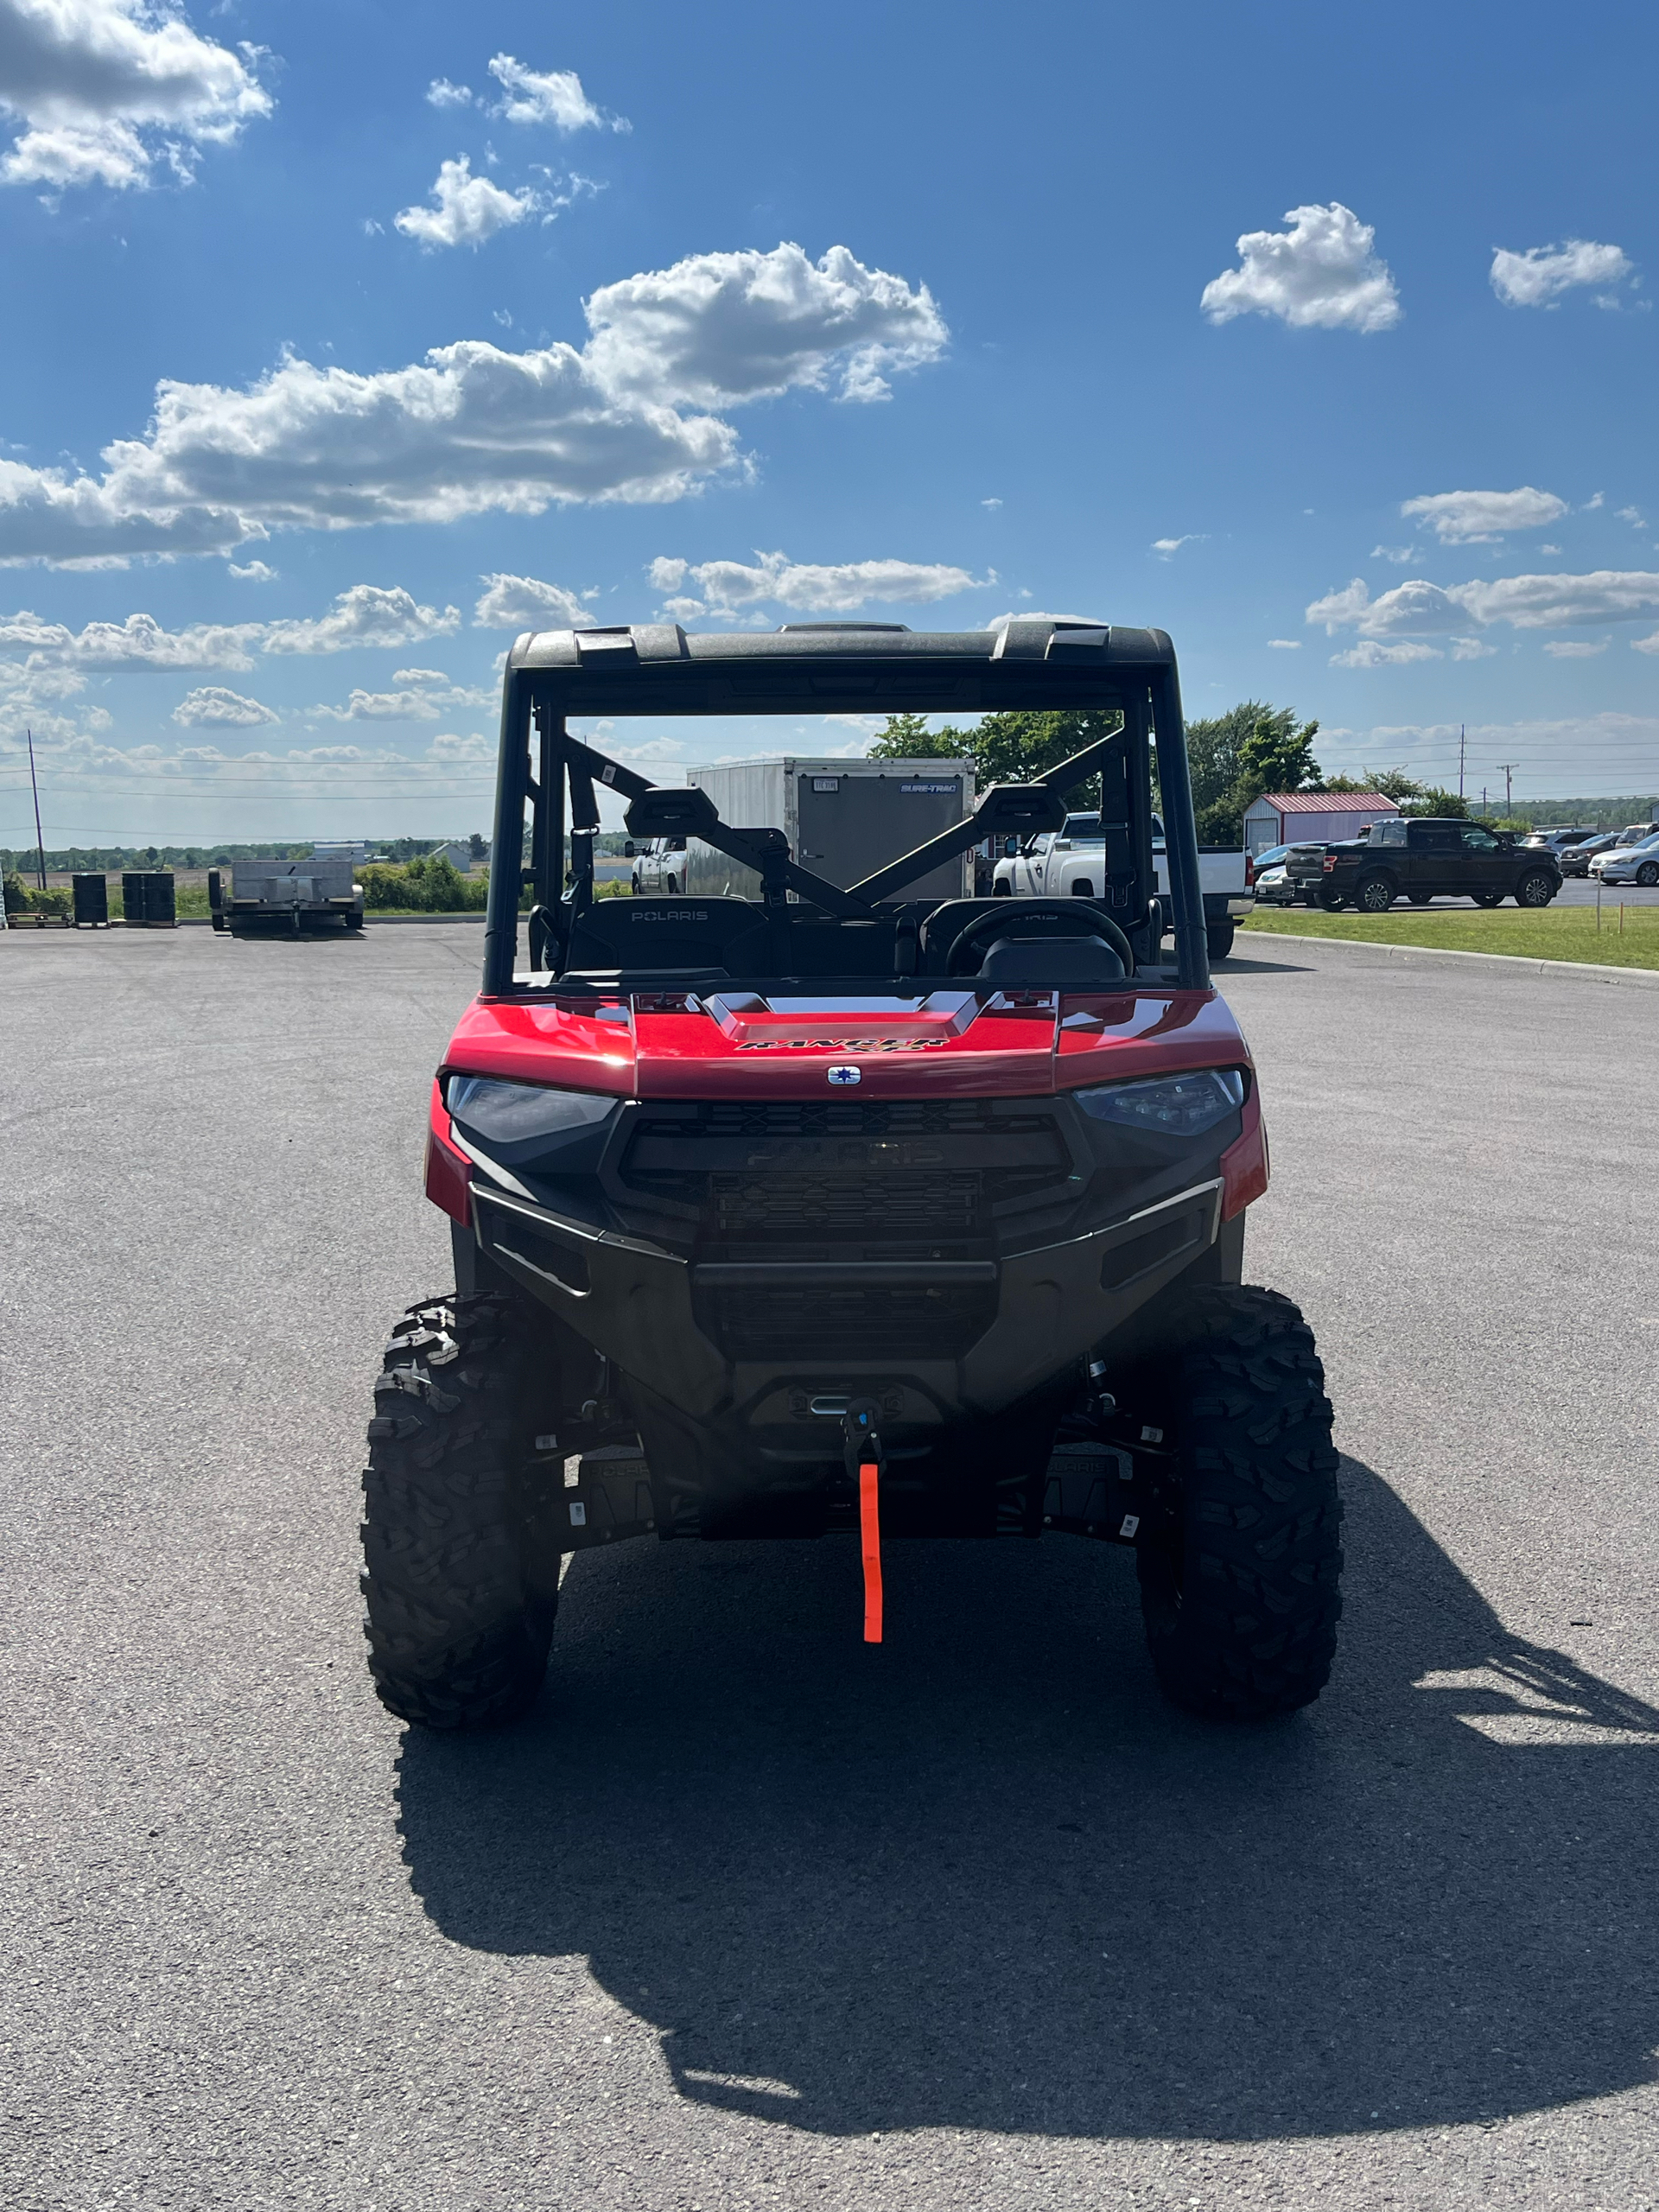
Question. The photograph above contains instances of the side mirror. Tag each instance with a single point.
(1010, 848)
(627, 851)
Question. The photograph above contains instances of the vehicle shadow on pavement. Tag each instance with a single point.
(981, 1876)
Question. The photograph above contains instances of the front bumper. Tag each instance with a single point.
(1022, 1318)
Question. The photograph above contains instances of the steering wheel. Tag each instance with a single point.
(1055, 918)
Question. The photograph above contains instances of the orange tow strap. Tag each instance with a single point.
(869, 1525)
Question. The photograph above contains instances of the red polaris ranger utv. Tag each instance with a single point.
(833, 1210)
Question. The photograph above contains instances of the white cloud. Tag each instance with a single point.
(1465, 518)
(470, 210)
(80, 763)
(1285, 644)
(1646, 644)
(1576, 648)
(720, 328)
(472, 428)
(365, 615)
(212, 707)
(1321, 274)
(527, 603)
(1471, 649)
(811, 587)
(1634, 516)
(1527, 602)
(1369, 654)
(252, 572)
(1167, 548)
(140, 642)
(991, 503)
(441, 93)
(1599, 500)
(426, 694)
(1538, 277)
(554, 97)
(102, 86)
(1397, 554)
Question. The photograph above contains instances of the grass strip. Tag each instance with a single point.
(1556, 933)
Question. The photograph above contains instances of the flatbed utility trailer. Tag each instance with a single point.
(848, 1212)
(285, 896)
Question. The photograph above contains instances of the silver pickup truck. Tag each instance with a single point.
(1070, 862)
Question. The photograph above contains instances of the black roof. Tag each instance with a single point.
(658, 668)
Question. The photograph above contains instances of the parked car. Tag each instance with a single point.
(1274, 885)
(1555, 840)
(1420, 860)
(1070, 862)
(1630, 864)
(1576, 859)
(659, 865)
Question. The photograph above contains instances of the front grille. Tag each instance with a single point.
(828, 1208)
(862, 1323)
(840, 1175)
(854, 1117)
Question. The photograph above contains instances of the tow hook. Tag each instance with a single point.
(865, 1460)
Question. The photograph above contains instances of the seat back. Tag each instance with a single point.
(619, 935)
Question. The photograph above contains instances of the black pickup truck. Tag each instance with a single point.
(1420, 860)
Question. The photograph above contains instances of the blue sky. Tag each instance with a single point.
(932, 314)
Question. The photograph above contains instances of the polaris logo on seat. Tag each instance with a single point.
(675, 915)
(844, 1075)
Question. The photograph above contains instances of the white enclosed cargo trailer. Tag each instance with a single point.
(843, 819)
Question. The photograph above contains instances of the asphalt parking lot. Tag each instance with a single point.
(748, 1914)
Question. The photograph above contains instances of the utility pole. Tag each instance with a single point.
(40, 841)
(1509, 768)
(1482, 798)
(1460, 760)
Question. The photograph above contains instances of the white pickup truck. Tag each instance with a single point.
(1070, 862)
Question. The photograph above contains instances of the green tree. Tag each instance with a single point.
(1005, 748)
(1275, 759)
(1234, 758)
(1392, 783)
(1432, 801)
(1215, 746)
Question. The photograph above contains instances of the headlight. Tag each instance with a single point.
(497, 1114)
(1171, 1106)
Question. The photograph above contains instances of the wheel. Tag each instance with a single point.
(1648, 874)
(1419, 898)
(633, 885)
(460, 1584)
(671, 887)
(1083, 889)
(1375, 894)
(1219, 937)
(1239, 1578)
(1001, 891)
(1037, 917)
(353, 921)
(1332, 902)
(1536, 889)
(1487, 898)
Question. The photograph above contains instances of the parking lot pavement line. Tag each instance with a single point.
(1643, 978)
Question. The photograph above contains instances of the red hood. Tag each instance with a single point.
(956, 1043)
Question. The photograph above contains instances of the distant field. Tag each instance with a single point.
(1558, 933)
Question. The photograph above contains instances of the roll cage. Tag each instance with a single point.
(547, 780)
